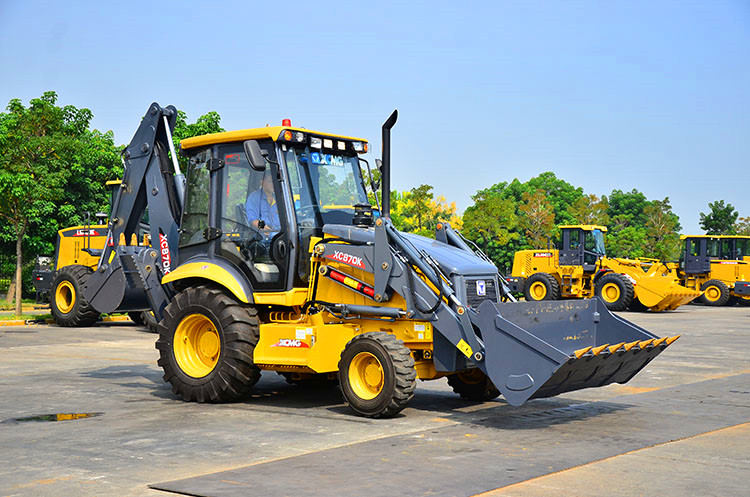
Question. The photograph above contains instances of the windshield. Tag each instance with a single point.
(325, 186)
(595, 242)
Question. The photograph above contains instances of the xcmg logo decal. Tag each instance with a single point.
(290, 342)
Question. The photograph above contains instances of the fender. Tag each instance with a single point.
(601, 273)
(215, 270)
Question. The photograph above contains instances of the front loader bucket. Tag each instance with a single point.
(660, 291)
(541, 349)
(656, 286)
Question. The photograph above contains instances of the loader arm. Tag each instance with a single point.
(528, 349)
(128, 275)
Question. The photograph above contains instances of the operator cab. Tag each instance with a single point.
(699, 251)
(271, 189)
(582, 245)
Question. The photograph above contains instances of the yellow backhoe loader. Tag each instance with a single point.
(272, 260)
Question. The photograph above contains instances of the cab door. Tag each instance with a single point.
(251, 217)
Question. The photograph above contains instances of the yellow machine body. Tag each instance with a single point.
(72, 241)
(706, 259)
(654, 286)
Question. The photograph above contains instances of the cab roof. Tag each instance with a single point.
(741, 237)
(272, 132)
(585, 227)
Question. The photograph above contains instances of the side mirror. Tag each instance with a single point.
(255, 155)
(379, 165)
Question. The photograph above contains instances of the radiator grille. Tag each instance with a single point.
(472, 291)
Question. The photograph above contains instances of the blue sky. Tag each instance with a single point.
(653, 95)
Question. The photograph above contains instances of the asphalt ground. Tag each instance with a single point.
(680, 427)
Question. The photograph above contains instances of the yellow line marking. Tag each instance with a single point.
(513, 485)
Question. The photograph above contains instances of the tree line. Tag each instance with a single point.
(512, 216)
(53, 169)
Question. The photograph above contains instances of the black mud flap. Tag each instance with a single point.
(541, 349)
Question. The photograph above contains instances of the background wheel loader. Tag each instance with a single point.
(580, 268)
(77, 252)
(719, 266)
(318, 288)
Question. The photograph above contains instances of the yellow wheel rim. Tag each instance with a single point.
(610, 292)
(713, 293)
(538, 290)
(196, 345)
(471, 377)
(366, 376)
(65, 296)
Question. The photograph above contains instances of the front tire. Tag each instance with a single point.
(377, 375)
(136, 317)
(715, 293)
(616, 291)
(541, 286)
(206, 343)
(67, 303)
(473, 384)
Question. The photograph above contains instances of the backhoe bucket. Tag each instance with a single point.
(541, 349)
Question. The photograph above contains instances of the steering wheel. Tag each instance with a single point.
(305, 208)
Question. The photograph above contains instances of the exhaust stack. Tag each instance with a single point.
(385, 172)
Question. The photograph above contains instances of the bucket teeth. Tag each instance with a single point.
(598, 350)
(614, 348)
(659, 341)
(578, 353)
(630, 345)
(672, 339)
(645, 343)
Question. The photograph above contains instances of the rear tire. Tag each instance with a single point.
(541, 286)
(616, 291)
(473, 384)
(67, 303)
(715, 293)
(206, 343)
(377, 375)
(149, 321)
(743, 301)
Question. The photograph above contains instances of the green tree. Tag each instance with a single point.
(720, 219)
(419, 207)
(38, 144)
(627, 242)
(662, 230)
(491, 223)
(626, 208)
(627, 231)
(418, 211)
(589, 209)
(537, 218)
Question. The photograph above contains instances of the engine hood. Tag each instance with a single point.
(453, 261)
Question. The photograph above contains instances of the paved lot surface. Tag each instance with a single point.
(681, 427)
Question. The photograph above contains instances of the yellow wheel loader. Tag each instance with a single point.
(77, 253)
(717, 265)
(580, 268)
(272, 260)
